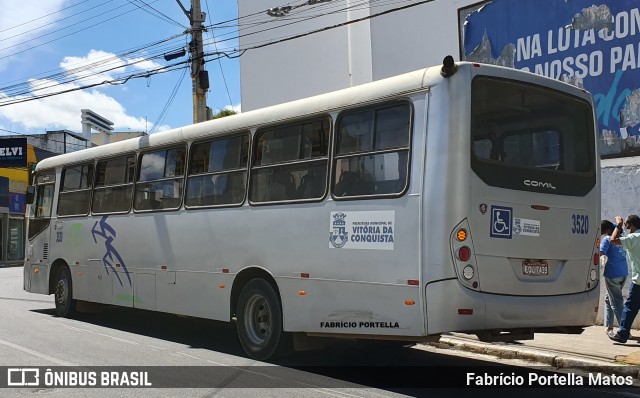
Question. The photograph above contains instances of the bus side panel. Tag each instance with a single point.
(343, 309)
(79, 278)
(505, 312)
(444, 177)
(36, 265)
(200, 294)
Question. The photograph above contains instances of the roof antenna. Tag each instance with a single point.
(449, 67)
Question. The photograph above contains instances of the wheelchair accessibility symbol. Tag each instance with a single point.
(501, 222)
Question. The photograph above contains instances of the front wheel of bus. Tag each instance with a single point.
(259, 319)
(65, 304)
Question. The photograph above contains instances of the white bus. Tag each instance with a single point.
(463, 197)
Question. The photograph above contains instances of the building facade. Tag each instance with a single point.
(18, 156)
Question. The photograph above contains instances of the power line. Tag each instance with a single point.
(224, 79)
(347, 8)
(119, 81)
(69, 75)
(167, 106)
(215, 55)
(50, 23)
(61, 37)
(44, 16)
(157, 13)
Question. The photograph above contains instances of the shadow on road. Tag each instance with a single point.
(398, 369)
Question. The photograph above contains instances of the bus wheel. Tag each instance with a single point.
(259, 319)
(65, 304)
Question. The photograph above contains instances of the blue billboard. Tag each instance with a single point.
(591, 44)
(17, 203)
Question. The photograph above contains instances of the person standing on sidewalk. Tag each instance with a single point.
(631, 244)
(615, 274)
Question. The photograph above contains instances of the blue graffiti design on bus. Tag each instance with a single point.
(107, 232)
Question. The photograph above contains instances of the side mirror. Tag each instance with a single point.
(31, 194)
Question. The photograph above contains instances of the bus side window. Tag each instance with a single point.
(290, 163)
(371, 154)
(75, 190)
(160, 180)
(114, 185)
(218, 172)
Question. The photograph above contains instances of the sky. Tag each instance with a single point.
(49, 46)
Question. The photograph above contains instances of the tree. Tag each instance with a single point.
(223, 113)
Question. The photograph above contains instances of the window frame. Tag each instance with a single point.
(133, 183)
(188, 174)
(373, 152)
(90, 189)
(137, 181)
(287, 124)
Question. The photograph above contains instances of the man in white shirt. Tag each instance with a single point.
(631, 244)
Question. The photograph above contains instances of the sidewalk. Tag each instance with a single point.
(591, 350)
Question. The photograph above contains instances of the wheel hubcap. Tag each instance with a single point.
(61, 291)
(257, 319)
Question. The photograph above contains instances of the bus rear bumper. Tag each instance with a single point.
(454, 308)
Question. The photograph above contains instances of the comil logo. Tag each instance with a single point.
(539, 184)
(18, 377)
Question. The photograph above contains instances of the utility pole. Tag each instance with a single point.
(199, 76)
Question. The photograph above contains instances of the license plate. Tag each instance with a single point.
(535, 268)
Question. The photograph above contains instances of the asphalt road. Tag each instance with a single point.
(170, 347)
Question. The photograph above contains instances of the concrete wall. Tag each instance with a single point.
(357, 53)
(294, 69)
(620, 197)
(620, 183)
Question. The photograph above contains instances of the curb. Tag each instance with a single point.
(556, 360)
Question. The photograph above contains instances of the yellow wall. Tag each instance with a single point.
(19, 177)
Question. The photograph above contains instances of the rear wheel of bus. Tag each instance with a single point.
(63, 293)
(259, 320)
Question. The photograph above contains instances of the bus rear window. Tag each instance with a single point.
(529, 148)
(533, 133)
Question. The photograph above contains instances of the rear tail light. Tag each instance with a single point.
(594, 267)
(468, 272)
(464, 253)
(463, 257)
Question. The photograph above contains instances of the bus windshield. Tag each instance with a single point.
(544, 138)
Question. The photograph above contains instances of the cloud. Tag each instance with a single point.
(99, 66)
(63, 111)
(60, 111)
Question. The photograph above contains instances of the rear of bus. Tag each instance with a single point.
(524, 251)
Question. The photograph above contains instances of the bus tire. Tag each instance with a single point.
(259, 320)
(63, 294)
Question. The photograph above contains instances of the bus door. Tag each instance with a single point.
(39, 234)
